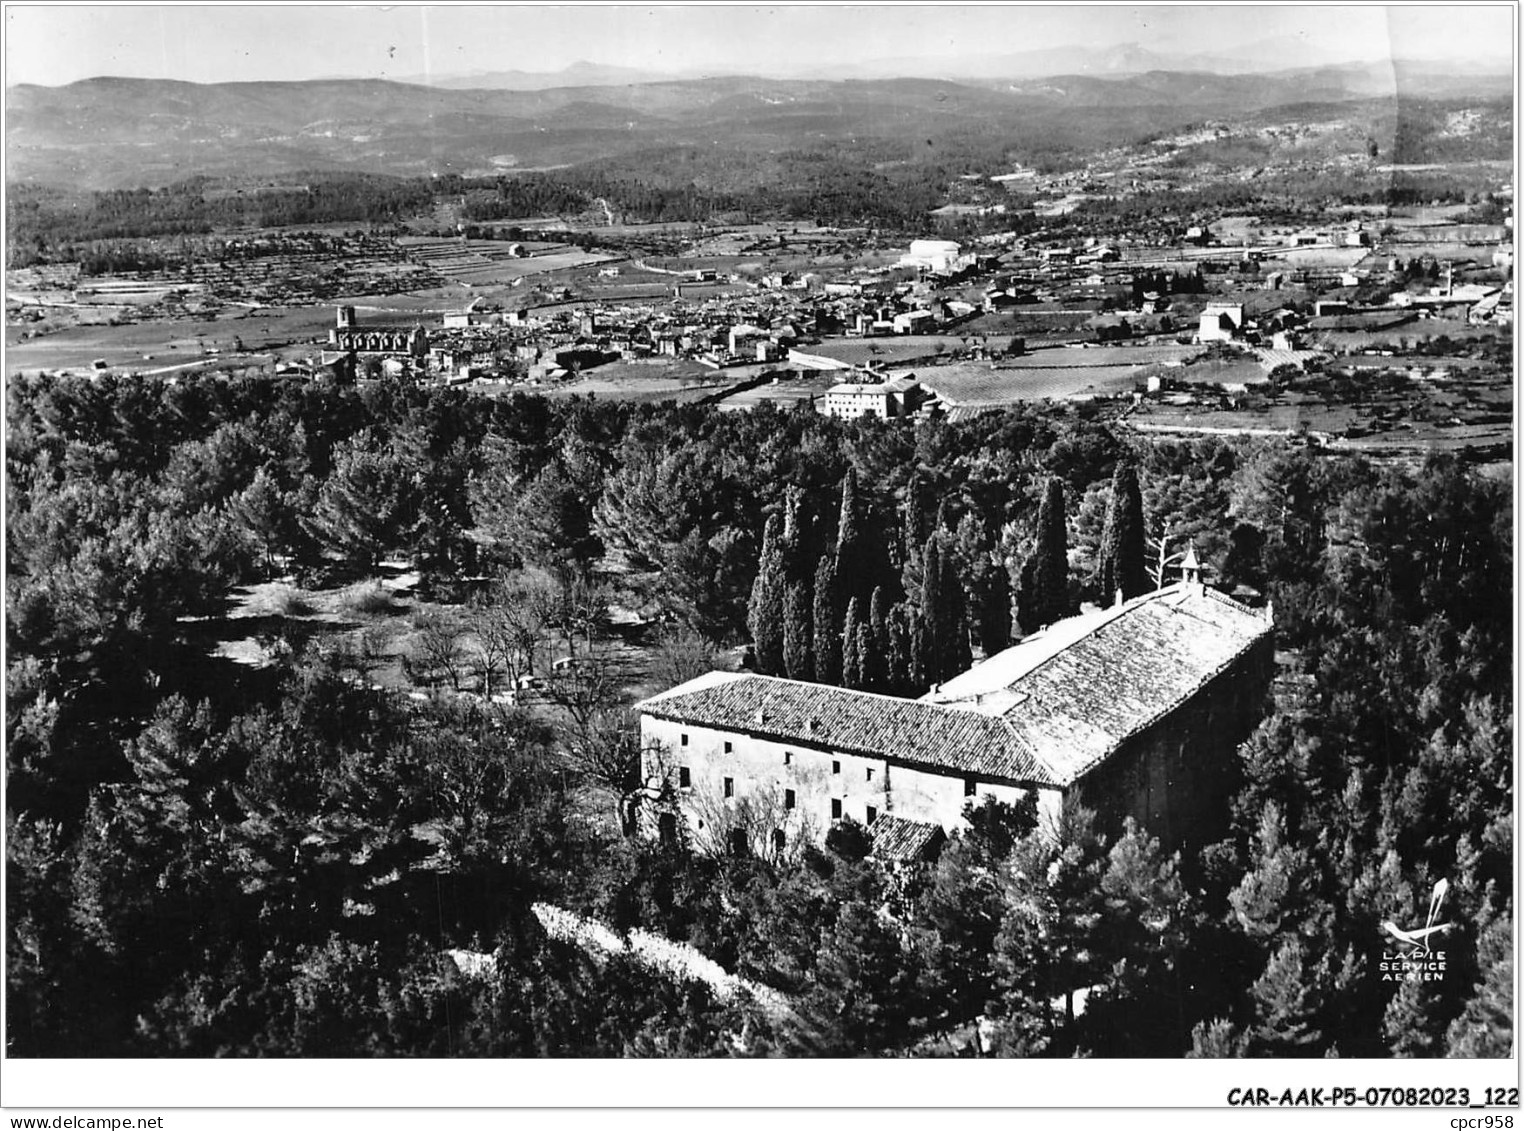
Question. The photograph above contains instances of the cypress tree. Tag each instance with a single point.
(1121, 563)
(934, 613)
(798, 534)
(764, 615)
(897, 656)
(945, 520)
(878, 621)
(869, 659)
(851, 647)
(915, 529)
(913, 535)
(944, 612)
(956, 655)
(854, 557)
(1043, 595)
(915, 637)
(995, 608)
(798, 634)
(827, 623)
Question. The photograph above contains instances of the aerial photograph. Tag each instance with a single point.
(820, 531)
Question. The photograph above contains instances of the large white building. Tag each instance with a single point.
(940, 257)
(1220, 322)
(850, 400)
(1139, 707)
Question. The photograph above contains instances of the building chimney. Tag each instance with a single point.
(760, 717)
(1118, 602)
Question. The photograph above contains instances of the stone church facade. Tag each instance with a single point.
(347, 336)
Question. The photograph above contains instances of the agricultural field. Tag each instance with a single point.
(1282, 419)
(749, 237)
(783, 394)
(1400, 338)
(654, 380)
(1090, 371)
(981, 384)
(1330, 258)
(900, 349)
(491, 262)
(140, 346)
(1103, 357)
(1381, 411)
(1245, 369)
(73, 338)
(1426, 364)
(1445, 251)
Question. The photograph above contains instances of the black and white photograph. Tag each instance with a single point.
(901, 532)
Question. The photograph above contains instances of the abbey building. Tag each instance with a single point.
(1137, 708)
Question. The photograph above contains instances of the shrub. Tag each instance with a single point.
(287, 602)
(366, 597)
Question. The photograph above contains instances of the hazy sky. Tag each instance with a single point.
(58, 44)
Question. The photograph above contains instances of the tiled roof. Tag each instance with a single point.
(1042, 713)
(853, 722)
(895, 838)
(900, 384)
(1077, 692)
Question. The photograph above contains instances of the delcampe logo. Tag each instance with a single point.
(1415, 959)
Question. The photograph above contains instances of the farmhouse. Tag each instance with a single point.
(1137, 709)
(1220, 322)
(900, 397)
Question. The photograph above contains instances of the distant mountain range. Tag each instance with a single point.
(1266, 56)
(579, 74)
(114, 132)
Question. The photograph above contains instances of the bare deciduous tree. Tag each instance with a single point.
(578, 608)
(438, 645)
(508, 628)
(682, 654)
(607, 748)
(586, 688)
(758, 819)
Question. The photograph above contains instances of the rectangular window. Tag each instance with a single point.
(788, 799)
(835, 767)
(872, 814)
(682, 740)
(788, 757)
(728, 748)
(835, 808)
(870, 773)
(968, 787)
(684, 780)
(730, 787)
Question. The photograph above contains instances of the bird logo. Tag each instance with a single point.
(1421, 937)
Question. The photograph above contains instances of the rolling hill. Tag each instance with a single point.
(115, 132)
